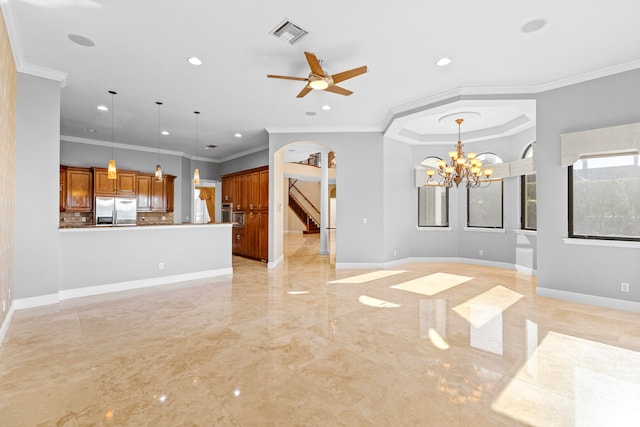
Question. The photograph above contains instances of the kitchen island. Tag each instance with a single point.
(98, 260)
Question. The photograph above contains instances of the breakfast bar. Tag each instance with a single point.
(97, 260)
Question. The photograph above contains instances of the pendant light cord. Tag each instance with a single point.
(159, 104)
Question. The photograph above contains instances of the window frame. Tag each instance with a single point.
(501, 227)
(523, 192)
(570, 232)
(447, 198)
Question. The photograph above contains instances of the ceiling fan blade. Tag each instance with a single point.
(304, 91)
(314, 64)
(339, 90)
(273, 76)
(340, 77)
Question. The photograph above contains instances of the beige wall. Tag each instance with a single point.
(7, 167)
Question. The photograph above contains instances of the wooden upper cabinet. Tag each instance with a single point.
(169, 179)
(127, 183)
(253, 190)
(153, 195)
(159, 195)
(227, 192)
(63, 188)
(263, 202)
(103, 186)
(143, 198)
(124, 185)
(79, 186)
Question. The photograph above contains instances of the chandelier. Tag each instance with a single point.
(461, 168)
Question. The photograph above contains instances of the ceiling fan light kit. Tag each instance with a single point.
(319, 80)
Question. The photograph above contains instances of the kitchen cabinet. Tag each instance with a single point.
(63, 188)
(263, 184)
(143, 198)
(79, 186)
(124, 185)
(153, 195)
(227, 191)
(249, 191)
(238, 243)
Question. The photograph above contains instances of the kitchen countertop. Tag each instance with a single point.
(138, 227)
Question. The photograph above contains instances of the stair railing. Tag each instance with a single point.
(307, 206)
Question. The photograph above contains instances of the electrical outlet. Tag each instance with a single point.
(481, 252)
(161, 266)
(624, 287)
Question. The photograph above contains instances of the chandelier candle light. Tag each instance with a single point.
(111, 170)
(460, 169)
(196, 172)
(158, 168)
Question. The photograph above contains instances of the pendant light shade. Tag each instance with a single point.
(158, 168)
(111, 170)
(196, 172)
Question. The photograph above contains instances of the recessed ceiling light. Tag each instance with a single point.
(164, 132)
(326, 107)
(443, 61)
(102, 108)
(533, 26)
(194, 60)
(81, 40)
(91, 130)
(311, 113)
(238, 135)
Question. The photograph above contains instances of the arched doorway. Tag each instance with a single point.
(304, 178)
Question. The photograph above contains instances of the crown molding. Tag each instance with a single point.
(120, 145)
(15, 40)
(592, 75)
(244, 153)
(346, 129)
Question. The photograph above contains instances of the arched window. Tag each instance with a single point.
(433, 201)
(484, 204)
(528, 201)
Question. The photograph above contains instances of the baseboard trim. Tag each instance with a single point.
(142, 283)
(7, 321)
(30, 302)
(395, 263)
(273, 264)
(617, 304)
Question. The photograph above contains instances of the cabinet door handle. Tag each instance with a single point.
(238, 236)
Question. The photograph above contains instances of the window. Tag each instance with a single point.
(484, 204)
(528, 202)
(433, 201)
(603, 198)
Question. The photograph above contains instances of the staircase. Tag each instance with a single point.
(312, 226)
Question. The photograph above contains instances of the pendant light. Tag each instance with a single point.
(111, 170)
(158, 168)
(196, 172)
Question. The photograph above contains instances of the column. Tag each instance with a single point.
(324, 202)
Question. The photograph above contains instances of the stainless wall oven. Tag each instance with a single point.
(227, 211)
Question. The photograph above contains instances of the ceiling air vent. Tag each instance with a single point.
(288, 31)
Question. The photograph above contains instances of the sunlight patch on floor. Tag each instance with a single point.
(432, 284)
(368, 277)
(375, 302)
(481, 309)
(575, 382)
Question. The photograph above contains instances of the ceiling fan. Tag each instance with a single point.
(319, 80)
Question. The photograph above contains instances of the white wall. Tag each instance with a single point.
(37, 186)
(360, 195)
(592, 270)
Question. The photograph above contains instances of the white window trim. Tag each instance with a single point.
(601, 242)
(485, 230)
(526, 232)
(433, 228)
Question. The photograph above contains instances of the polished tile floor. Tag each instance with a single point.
(417, 345)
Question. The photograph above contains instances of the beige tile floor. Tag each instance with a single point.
(420, 345)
